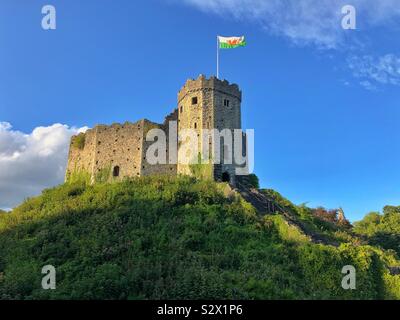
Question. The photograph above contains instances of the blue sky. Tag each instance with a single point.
(324, 102)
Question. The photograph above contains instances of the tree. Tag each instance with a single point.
(254, 181)
(382, 230)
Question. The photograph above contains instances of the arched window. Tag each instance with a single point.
(116, 171)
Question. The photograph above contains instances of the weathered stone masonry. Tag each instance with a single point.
(107, 153)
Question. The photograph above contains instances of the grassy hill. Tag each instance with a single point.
(178, 238)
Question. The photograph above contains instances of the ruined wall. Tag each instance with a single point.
(109, 152)
(118, 151)
(159, 168)
(81, 156)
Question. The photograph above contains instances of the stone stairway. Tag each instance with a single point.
(266, 205)
(261, 202)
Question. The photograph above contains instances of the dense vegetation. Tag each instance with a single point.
(253, 181)
(79, 141)
(381, 230)
(154, 238)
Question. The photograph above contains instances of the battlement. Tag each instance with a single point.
(213, 83)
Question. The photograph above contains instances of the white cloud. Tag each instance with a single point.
(32, 162)
(316, 22)
(373, 71)
(368, 85)
(319, 23)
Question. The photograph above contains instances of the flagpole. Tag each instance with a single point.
(217, 58)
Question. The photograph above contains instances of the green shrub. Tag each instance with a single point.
(201, 170)
(79, 177)
(79, 141)
(381, 230)
(253, 180)
(173, 238)
(103, 175)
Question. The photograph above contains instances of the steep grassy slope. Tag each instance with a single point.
(173, 238)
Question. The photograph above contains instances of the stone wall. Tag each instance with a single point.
(160, 168)
(227, 115)
(120, 150)
(218, 106)
(117, 151)
(109, 152)
(81, 154)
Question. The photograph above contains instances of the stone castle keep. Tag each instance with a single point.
(107, 153)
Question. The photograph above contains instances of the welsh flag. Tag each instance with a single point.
(231, 42)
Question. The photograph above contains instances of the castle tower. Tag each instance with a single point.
(206, 104)
(210, 108)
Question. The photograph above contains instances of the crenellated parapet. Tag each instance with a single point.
(203, 84)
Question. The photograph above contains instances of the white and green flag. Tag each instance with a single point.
(228, 43)
(231, 42)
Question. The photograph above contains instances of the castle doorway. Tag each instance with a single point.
(116, 171)
(226, 177)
